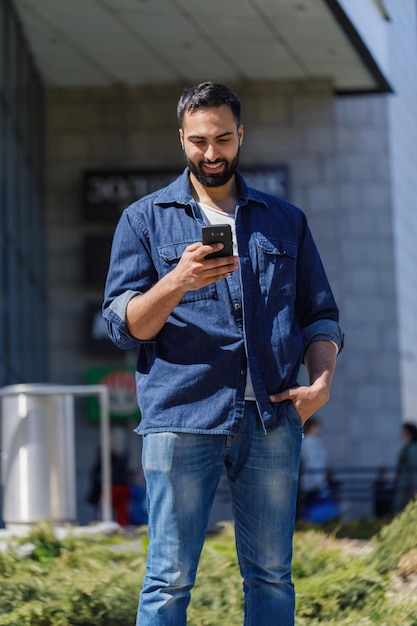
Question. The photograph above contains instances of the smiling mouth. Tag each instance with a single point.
(214, 167)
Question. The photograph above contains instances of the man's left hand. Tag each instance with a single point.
(306, 400)
(320, 360)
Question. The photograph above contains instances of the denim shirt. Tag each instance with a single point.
(191, 377)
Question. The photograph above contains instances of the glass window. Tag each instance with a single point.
(23, 337)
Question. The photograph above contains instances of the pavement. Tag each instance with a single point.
(20, 531)
(132, 534)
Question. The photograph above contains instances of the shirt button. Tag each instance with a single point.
(243, 372)
(237, 306)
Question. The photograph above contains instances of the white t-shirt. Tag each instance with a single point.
(213, 216)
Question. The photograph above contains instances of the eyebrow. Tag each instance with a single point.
(228, 132)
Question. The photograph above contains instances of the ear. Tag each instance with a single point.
(181, 138)
(240, 134)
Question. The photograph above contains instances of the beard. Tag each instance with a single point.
(214, 180)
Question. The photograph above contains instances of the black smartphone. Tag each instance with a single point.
(218, 233)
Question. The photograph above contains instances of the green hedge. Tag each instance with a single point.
(93, 581)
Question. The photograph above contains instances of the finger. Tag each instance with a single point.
(212, 277)
(193, 246)
(279, 397)
(220, 271)
(287, 394)
(206, 249)
(221, 262)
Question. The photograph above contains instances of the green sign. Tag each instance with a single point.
(121, 383)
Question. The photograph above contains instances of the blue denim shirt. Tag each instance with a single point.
(191, 377)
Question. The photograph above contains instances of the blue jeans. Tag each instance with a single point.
(182, 472)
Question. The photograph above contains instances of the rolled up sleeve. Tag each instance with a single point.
(115, 318)
(323, 330)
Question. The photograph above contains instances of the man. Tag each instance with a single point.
(220, 342)
(313, 458)
(317, 500)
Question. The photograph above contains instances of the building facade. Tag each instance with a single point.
(23, 289)
(342, 150)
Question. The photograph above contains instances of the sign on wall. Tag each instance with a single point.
(105, 193)
(121, 384)
(96, 257)
(272, 179)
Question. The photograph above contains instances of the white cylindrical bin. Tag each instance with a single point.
(38, 459)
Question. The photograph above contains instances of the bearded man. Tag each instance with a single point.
(219, 345)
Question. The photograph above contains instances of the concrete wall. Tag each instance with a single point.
(338, 153)
(403, 166)
(369, 371)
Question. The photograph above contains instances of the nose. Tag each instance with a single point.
(211, 153)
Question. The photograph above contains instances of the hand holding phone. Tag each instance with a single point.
(218, 233)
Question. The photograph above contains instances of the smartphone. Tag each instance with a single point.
(218, 233)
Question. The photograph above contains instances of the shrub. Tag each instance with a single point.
(95, 581)
(77, 582)
(395, 540)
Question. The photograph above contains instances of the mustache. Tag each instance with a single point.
(207, 162)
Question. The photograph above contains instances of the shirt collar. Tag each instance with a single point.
(179, 192)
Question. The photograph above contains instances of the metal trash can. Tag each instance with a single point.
(38, 458)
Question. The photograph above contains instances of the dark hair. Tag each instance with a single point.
(207, 95)
(411, 429)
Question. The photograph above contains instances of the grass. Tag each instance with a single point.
(341, 578)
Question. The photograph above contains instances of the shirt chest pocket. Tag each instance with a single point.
(169, 257)
(277, 267)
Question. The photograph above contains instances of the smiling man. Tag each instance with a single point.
(220, 342)
(212, 157)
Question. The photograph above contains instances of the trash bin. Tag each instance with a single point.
(38, 454)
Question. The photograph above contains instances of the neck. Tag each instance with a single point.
(222, 198)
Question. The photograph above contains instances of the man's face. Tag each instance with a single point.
(211, 141)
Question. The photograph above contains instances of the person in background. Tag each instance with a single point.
(120, 490)
(138, 514)
(318, 498)
(220, 342)
(405, 485)
(382, 494)
(313, 475)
